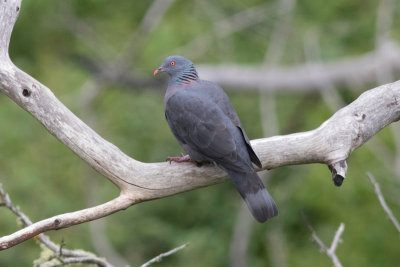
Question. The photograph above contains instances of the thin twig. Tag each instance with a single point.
(383, 202)
(62, 254)
(336, 238)
(331, 251)
(314, 236)
(163, 255)
(87, 259)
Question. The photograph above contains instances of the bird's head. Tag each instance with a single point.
(174, 65)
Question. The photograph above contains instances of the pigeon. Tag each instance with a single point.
(206, 125)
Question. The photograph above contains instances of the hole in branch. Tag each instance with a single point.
(26, 92)
(17, 8)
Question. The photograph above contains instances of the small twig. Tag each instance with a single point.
(14, 209)
(314, 236)
(163, 255)
(383, 202)
(331, 251)
(87, 259)
(336, 238)
(62, 245)
(62, 254)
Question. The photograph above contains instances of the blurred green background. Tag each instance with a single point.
(66, 44)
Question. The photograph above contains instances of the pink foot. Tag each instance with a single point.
(182, 158)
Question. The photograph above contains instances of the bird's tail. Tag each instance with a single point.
(257, 198)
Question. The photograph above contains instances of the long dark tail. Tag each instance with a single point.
(257, 198)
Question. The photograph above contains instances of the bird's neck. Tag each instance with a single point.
(184, 77)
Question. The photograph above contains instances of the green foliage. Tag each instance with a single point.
(45, 178)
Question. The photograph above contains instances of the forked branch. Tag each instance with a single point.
(331, 251)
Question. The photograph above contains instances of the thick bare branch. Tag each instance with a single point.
(65, 220)
(331, 143)
(334, 101)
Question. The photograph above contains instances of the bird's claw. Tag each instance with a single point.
(182, 158)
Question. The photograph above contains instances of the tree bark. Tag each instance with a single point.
(331, 143)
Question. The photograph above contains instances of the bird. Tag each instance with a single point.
(203, 120)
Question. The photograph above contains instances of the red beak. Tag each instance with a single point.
(157, 71)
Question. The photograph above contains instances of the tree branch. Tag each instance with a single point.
(99, 240)
(331, 251)
(383, 202)
(381, 62)
(358, 70)
(163, 255)
(65, 220)
(331, 143)
(59, 252)
(87, 259)
(298, 78)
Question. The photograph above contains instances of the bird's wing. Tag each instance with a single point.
(203, 126)
(253, 156)
(222, 100)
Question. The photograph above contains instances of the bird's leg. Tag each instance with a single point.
(182, 158)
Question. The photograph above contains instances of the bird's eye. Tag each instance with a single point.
(172, 63)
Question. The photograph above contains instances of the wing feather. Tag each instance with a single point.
(200, 125)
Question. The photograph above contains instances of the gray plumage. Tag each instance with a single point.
(206, 125)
